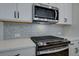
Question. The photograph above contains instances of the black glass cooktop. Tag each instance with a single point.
(47, 39)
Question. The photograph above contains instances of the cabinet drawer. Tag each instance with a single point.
(21, 52)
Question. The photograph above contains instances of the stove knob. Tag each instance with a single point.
(40, 43)
(45, 44)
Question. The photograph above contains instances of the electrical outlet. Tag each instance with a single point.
(17, 35)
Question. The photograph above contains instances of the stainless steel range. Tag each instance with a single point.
(51, 46)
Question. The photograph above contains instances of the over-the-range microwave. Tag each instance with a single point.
(45, 13)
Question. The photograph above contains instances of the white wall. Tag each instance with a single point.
(73, 31)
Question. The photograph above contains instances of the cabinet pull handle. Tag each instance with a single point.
(17, 55)
(14, 14)
(18, 14)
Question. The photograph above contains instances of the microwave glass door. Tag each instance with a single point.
(42, 12)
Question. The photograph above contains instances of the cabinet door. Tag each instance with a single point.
(68, 13)
(25, 12)
(7, 10)
(74, 49)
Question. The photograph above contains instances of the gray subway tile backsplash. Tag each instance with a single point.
(23, 30)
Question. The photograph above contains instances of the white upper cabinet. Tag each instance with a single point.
(7, 11)
(24, 12)
(16, 12)
(68, 13)
(65, 12)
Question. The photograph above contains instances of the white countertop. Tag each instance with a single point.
(72, 38)
(16, 44)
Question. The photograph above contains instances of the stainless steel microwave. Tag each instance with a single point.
(45, 13)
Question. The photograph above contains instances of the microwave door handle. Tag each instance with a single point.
(55, 14)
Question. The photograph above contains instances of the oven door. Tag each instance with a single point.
(56, 52)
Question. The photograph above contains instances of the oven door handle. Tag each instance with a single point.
(52, 51)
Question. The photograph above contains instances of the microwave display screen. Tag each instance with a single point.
(42, 12)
